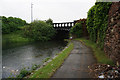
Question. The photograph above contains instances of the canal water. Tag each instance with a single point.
(16, 58)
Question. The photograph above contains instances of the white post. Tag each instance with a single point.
(31, 12)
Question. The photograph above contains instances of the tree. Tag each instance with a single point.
(11, 24)
(77, 30)
(49, 21)
(39, 30)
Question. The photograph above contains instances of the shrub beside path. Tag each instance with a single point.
(76, 65)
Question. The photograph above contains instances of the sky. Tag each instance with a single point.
(57, 10)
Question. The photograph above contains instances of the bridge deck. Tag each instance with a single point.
(63, 26)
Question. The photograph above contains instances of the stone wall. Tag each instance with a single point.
(112, 40)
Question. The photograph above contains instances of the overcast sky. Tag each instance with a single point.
(58, 10)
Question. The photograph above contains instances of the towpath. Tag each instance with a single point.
(76, 65)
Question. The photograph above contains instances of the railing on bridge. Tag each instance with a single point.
(63, 26)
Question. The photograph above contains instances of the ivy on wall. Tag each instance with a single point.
(97, 20)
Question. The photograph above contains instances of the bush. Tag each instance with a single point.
(77, 30)
(97, 22)
(23, 73)
(39, 30)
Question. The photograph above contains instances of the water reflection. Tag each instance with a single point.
(17, 58)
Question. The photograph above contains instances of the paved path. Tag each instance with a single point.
(76, 65)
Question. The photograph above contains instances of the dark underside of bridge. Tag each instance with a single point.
(61, 35)
(62, 30)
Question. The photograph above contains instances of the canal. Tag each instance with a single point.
(16, 58)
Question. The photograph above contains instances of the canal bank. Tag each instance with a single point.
(49, 69)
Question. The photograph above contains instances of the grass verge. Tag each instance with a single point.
(99, 54)
(48, 70)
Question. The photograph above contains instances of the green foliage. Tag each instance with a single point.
(23, 73)
(34, 67)
(46, 59)
(90, 24)
(77, 30)
(97, 22)
(14, 39)
(49, 21)
(11, 24)
(39, 30)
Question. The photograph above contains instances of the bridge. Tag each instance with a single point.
(63, 29)
(64, 26)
